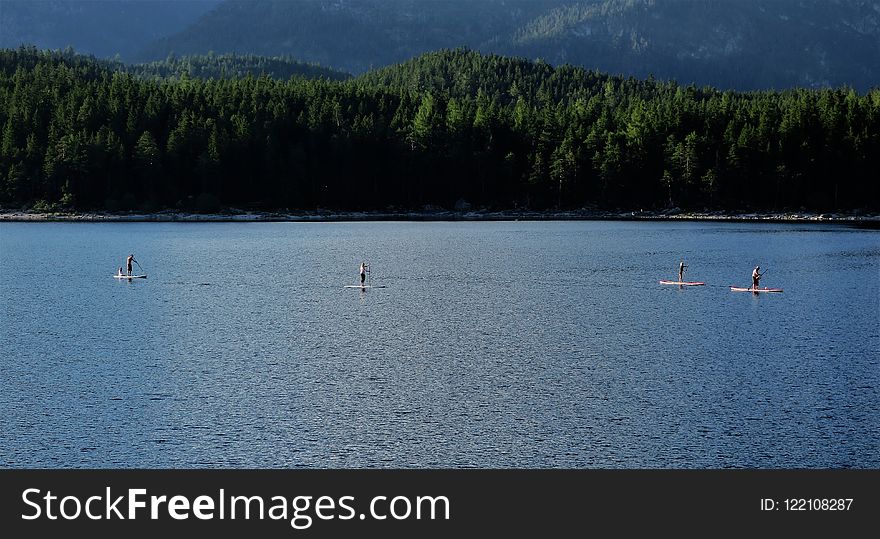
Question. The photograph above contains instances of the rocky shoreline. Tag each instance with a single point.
(440, 215)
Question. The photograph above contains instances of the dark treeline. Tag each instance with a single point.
(232, 66)
(496, 132)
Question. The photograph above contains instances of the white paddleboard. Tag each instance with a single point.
(130, 276)
(754, 290)
(364, 286)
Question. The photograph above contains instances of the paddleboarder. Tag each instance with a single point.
(363, 271)
(681, 268)
(128, 262)
(756, 277)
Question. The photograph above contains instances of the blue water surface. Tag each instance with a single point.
(495, 344)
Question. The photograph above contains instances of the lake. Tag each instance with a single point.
(495, 344)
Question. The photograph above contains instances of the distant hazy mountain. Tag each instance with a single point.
(103, 28)
(744, 44)
(353, 35)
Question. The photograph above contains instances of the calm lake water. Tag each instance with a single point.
(499, 344)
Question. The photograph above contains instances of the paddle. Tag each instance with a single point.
(139, 265)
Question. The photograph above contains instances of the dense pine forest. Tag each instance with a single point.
(500, 133)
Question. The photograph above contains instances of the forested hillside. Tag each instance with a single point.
(740, 45)
(351, 35)
(451, 125)
(726, 44)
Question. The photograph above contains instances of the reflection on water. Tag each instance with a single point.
(494, 345)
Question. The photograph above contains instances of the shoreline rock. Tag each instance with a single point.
(439, 215)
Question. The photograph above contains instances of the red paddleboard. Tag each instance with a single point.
(755, 290)
(683, 283)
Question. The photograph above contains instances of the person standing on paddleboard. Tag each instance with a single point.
(756, 277)
(681, 268)
(363, 270)
(128, 262)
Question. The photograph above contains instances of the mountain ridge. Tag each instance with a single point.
(742, 46)
(747, 45)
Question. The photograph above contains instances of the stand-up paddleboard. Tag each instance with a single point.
(130, 276)
(364, 286)
(683, 283)
(755, 290)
